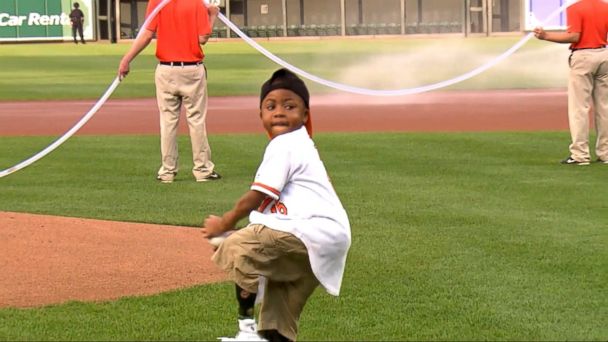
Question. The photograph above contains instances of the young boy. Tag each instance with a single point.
(299, 233)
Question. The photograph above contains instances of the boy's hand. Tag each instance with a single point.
(212, 226)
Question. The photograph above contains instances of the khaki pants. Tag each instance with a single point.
(187, 86)
(587, 88)
(282, 258)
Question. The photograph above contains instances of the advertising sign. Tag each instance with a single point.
(537, 11)
(32, 20)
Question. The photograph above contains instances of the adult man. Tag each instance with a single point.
(588, 78)
(181, 27)
(77, 19)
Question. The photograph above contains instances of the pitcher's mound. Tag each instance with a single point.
(50, 259)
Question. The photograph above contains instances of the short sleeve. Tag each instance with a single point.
(204, 27)
(154, 22)
(274, 171)
(574, 20)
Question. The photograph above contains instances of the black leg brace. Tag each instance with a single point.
(246, 303)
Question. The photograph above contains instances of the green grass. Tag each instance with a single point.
(461, 236)
(65, 71)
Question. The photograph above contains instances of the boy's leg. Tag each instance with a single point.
(282, 305)
(246, 303)
(280, 257)
(288, 290)
(273, 336)
(234, 256)
(237, 256)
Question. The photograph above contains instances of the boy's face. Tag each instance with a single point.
(283, 111)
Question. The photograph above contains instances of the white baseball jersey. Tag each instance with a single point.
(301, 201)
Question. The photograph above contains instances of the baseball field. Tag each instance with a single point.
(465, 226)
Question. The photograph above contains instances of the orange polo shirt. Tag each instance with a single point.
(177, 28)
(590, 19)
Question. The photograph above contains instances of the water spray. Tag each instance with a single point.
(281, 62)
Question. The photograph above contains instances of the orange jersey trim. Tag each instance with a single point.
(271, 189)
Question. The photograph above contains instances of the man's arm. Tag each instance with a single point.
(557, 37)
(215, 225)
(140, 43)
(213, 11)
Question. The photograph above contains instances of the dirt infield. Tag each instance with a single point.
(49, 259)
(448, 111)
(46, 260)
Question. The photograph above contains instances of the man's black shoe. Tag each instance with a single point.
(571, 161)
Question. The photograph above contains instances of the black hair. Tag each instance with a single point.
(285, 79)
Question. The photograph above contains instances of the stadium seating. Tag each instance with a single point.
(270, 31)
(292, 30)
(394, 28)
(262, 31)
(334, 30)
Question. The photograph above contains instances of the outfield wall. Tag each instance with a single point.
(44, 20)
(40, 20)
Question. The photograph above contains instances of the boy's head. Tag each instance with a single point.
(76, 5)
(284, 104)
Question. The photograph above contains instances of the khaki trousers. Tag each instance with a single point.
(187, 86)
(588, 88)
(282, 258)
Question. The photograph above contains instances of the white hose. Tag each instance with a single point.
(262, 50)
(66, 136)
(84, 119)
(397, 92)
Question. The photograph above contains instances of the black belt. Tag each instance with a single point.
(590, 48)
(181, 63)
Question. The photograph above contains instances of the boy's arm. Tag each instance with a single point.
(215, 225)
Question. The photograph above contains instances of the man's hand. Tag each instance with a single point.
(123, 69)
(540, 33)
(213, 10)
(141, 41)
(204, 39)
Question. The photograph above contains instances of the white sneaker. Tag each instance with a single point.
(248, 331)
